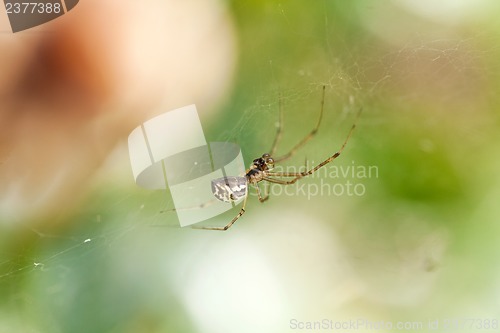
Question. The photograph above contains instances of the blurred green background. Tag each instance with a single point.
(420, 244)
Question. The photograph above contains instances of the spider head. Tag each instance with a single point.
(266, 162)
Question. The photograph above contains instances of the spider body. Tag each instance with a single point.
(259, 169)
(230, 189)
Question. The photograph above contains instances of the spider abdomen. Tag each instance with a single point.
(229, 189)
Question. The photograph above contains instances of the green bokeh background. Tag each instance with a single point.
(420, 244)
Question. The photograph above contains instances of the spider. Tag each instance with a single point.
(230, 189)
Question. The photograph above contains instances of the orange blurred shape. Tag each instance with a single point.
(73, 88)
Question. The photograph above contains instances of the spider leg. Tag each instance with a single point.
(230, 224)
(299, 175)
(277, 181)
(307, 138)
(266, 195)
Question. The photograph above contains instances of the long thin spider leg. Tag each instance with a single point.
(266, 190)
(276, 181)
(230, 224)
(300, 174)
(308, 137)
(311, 171)
(266, 195)
(277, 138)
(285, 174)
